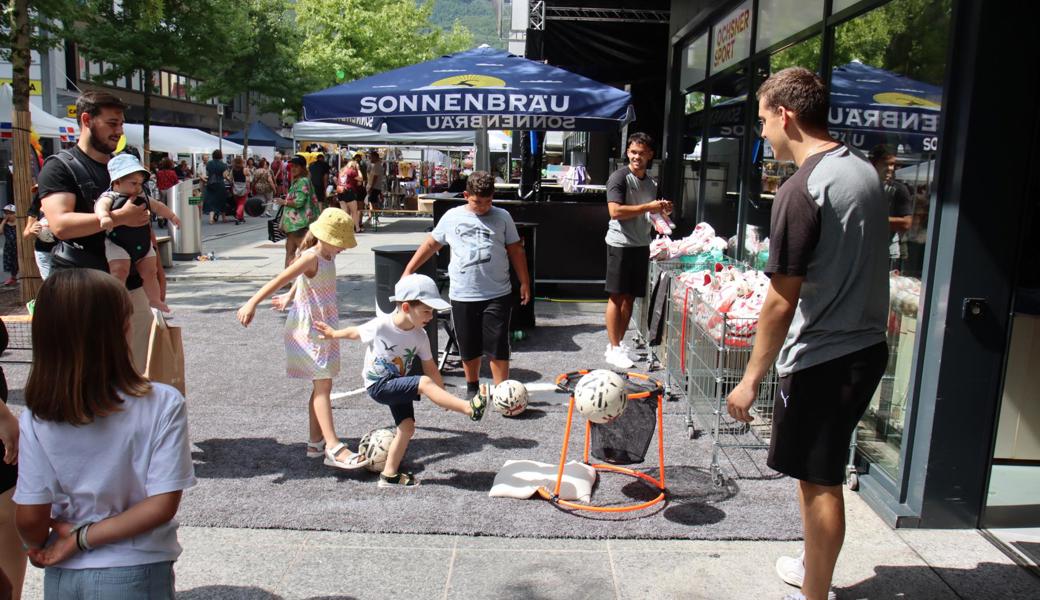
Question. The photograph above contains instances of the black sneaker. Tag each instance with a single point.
(402, 479)
(479, 403)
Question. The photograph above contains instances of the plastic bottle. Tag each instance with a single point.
(518, 335)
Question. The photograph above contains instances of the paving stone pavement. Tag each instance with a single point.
(223, 563)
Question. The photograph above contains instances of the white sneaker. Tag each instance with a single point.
(628, 351)
(791, 569)
(618, 358)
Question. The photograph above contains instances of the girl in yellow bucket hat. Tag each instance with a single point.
(313, 298)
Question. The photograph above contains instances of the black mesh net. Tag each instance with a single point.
(625, 440)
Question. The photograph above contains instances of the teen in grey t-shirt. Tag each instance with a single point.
(479, 267)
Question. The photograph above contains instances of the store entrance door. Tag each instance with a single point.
(1012, 514)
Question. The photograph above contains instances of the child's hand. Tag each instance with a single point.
(60, 548)
(245, 314)
(176, 222)
(281, 301)
(106, 222)
(325, 332)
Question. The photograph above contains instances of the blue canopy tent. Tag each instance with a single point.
(261, 135)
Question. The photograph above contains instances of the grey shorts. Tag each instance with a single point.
(153, 580)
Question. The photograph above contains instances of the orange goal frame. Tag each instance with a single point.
(658, 482)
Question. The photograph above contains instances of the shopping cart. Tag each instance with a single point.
(718, 352)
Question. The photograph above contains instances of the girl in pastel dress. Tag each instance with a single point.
(311, 299)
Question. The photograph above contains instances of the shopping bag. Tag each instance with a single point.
(274, 227)
(165, 362)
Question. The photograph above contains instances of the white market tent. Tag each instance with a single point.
(43, 123)
(318, 131)
(177, 140)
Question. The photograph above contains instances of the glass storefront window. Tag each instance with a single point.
(695, 62)
(886, 99)
(693, 102)
(780, 19)
(840, 5)
(164, 86)
(724, 153)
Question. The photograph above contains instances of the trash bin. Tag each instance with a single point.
(390, 263)
(187, 239)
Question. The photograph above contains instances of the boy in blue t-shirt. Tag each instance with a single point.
(394, 341)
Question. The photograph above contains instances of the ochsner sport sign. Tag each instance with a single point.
(474, 104)
(731, 38)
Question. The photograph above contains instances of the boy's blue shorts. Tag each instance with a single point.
(399, 393)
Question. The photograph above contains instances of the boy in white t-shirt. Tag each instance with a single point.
(394, 341)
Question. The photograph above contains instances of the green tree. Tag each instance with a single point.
(343, 40)
(141, 37)
(478, 16)
(259, 59)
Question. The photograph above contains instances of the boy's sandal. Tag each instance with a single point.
(479, 403)
(316, 449)
(354, 461)
(402, 479)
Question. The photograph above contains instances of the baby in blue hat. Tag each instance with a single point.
(131, 245)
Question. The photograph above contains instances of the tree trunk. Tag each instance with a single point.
(245, 132)
(146, 154)
(28, 274)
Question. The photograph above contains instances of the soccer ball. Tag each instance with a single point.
(601, 396)
(509, 398)
(375, 445)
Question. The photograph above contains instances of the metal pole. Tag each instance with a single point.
(220, 128)
(483, 161)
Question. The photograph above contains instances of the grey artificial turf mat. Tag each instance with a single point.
(249, 424)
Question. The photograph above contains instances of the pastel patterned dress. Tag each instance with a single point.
(315, 300)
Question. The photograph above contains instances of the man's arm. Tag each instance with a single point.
(623, 212)
(900, 224)
(518, 259)
(428, 248)
(773, 323)
(67, 224)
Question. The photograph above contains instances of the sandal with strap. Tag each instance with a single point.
(354, 461)
(479, 403)
(402, 479)
(316, 449)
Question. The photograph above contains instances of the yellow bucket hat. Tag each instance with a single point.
(334, 226)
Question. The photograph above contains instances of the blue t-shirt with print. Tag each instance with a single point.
(479, 267)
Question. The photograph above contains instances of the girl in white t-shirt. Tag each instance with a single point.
(103, 454)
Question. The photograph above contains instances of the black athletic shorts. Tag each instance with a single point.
(626, 270)
(817, 409)
(375, 198)
(482, 327)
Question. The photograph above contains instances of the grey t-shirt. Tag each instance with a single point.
(624, 187)
(830, 225)
(479, 267)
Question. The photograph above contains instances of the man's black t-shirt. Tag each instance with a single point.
(55, 177)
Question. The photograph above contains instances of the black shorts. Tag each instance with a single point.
(627, 269)
(375, 198)
(347, 196)
(482, 327)
(817, 409)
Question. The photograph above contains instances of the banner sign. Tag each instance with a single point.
(731, 41)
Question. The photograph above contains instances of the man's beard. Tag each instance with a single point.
(97, 142)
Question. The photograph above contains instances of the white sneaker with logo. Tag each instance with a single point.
(792, 570)
(618, 358)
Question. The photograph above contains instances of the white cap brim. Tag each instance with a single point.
(434, 303)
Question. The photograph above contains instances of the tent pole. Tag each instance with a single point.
(483, 161)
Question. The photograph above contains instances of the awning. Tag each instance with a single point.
(260, 135)
(177, 140)
(43, 123)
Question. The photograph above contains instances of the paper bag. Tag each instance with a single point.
(165, 354)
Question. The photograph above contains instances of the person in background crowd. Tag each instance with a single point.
(484, 243)
(96, 516)
(900, 205)
(319, 173)
(10, 245)
(350, 189)
(43, 239)
(824, 318)
(181, 169)
(166, 176)
(263, 185)
(214, 195)
(280, 172)
(239, 188)
(631, 198)
(374, 188)
(301, 207)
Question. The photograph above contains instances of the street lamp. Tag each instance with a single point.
(220, 126)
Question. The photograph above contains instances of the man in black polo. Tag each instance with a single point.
(71, 181)
(824, 317)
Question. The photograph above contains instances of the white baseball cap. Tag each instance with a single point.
(419, 287)
(121, 165)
